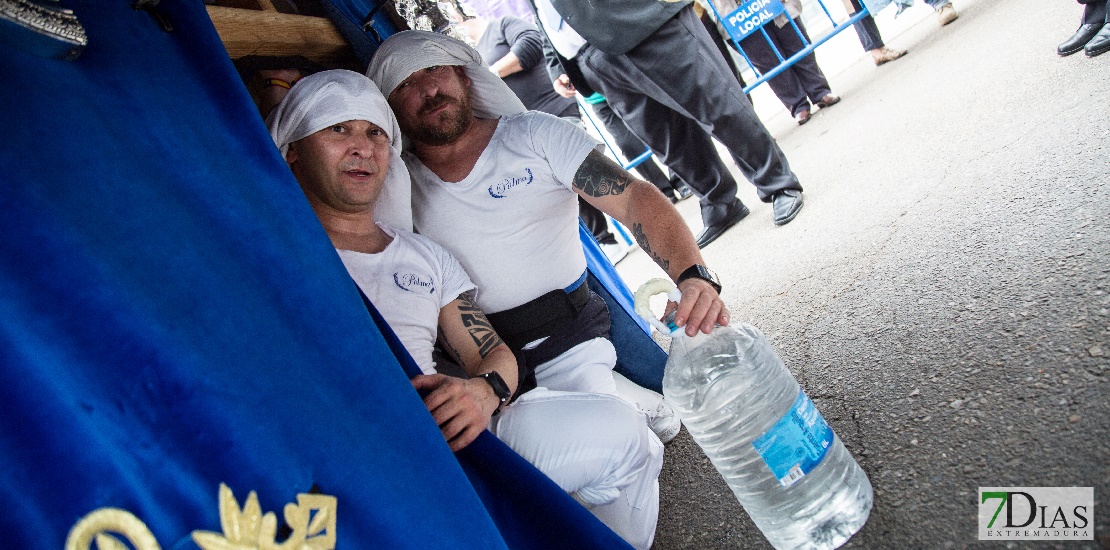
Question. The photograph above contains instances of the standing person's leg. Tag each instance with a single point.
(946, 12)
(679, 66)
(868, 32)
(1101, 42)
(809, 74)
(631, 147)
(1089, 25)
(786, 85)
(719, 41)
(681, 143)
(871, 40)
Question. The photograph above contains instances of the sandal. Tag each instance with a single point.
(886, 55)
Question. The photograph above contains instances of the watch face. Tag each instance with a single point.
(708, 275)
(500, 389)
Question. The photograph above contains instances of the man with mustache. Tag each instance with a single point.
(498, 187)
(342, 143)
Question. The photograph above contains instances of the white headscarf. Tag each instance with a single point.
(330, 97)
(409, 51)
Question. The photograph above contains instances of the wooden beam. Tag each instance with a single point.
(274, 34)
(265, 5)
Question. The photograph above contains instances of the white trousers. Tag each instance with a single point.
(594, 445)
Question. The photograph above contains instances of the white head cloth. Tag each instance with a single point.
(320, 100)
(409, 51)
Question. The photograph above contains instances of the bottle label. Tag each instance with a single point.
(795, 445)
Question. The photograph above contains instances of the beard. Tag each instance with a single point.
(447, 126)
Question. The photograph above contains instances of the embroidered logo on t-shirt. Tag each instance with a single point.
(413, 283)
(499, 189)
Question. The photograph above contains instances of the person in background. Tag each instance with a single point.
(1093, 35)
(868, 33)
(681, 89)
(801, 86)
(631, 147)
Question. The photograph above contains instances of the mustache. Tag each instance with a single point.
(436, 102)
(358, 165)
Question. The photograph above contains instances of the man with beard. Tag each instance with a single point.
(342, 143)
(498, 187)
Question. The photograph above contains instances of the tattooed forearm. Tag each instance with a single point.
(477, 325)
(599, 176)
(642, 240)
(445, 344)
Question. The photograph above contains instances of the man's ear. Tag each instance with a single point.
(291, 154)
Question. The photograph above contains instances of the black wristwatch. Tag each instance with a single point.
(500, 388)
(698, 271)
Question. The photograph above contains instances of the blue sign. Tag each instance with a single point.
(752, 15)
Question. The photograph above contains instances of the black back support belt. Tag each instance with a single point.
(565, 319)
(540, 317)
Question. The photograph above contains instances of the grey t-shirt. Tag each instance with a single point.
(533, 84)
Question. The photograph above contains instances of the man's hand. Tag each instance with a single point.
(461, 408)
(701, 308)
(563, 86)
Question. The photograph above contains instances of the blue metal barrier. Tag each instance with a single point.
(783, 63)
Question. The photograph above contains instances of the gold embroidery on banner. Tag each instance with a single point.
(312, 521)
(97, 524)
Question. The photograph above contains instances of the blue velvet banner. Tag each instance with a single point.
(173, 317)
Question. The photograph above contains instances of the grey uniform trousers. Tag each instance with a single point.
(674, 87)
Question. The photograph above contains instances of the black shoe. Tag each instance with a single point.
(1085, 33)
(786, 204)
(684, 192)
(1100, 43)
(710, 234)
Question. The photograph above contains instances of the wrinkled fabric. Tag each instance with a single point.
(330, 97)
(407, 52)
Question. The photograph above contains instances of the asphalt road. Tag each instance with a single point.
(944, 296)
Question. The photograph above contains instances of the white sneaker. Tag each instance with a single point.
(615, 252)
(661, 417)
(663, 421)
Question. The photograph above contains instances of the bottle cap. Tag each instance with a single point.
(643, 307)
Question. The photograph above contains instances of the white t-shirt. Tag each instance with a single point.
(513, 221)
(409, 282)
(563, 38)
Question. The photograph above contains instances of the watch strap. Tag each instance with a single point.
(698, 271)
(500, 388)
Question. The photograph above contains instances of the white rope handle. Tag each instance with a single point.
(649, 289)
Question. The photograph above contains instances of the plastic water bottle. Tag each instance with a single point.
(742, 406)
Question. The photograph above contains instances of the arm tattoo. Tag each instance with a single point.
(477, 325)
(447, 347)
(599, 176)
(641, 239)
